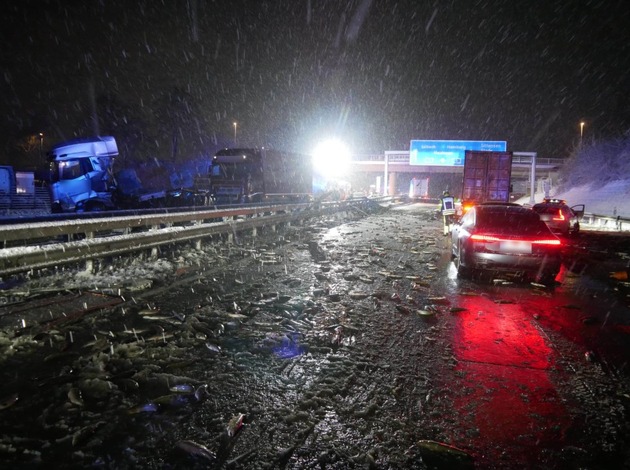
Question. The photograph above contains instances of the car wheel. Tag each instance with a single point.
(462, 270)
(546, 279)
(576, 229)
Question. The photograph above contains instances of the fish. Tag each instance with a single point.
(540, 286)
(149, 407)
(201, 392)
(213, 348)
(403, 309)
(457, 309)
(235, 425)
(196, 449)
(440, 455)
(172, 400)
(182, 388)
(149, 311)
(9, 401)
(355, 295)
(84, 433)
(74, 395)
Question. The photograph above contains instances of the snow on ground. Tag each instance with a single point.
(611, 200)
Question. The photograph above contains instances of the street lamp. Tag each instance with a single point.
(234, 134)
(581, 129)
(41, 145)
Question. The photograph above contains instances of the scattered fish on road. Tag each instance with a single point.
(196, 449)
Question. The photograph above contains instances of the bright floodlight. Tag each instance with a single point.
(331, 158)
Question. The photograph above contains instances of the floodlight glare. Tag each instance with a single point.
(331, 158)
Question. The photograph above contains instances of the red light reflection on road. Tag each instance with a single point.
(505, 394)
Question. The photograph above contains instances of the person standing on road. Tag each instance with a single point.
(447, 208)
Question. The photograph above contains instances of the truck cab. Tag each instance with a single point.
(81, 174)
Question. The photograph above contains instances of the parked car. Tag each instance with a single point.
(559, 217)
(505, 238)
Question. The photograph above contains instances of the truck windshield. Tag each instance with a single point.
(230, 171)
(69, 169)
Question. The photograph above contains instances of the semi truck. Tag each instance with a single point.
(487, 177)
(240, 175)
(83, 179)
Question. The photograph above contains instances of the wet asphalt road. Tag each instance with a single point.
(349, 343)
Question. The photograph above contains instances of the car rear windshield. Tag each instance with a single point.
(546, 209)
(511, 222)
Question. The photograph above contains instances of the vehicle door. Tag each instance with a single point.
(578, 210)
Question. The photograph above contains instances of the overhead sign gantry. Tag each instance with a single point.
(448, 152)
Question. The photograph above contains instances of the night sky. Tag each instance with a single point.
(374, 73)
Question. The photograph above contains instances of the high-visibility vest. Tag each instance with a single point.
(448, 205)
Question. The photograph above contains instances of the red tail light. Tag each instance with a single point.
(560, 216)
(491, 238)
(547, 242)
(484, 238)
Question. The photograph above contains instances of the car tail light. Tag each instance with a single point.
(466, 208)
(550, 241)
(477, 237)
(559, 216)
(484, 238)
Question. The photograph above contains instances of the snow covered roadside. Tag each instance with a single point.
(611, 200)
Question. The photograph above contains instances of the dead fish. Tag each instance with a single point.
(82, 434)
(149, 311)
(235, 425)
(74, 395)
(440, 455)
(145, 408)
(60, 356)
(182, 388)
(457, 309)
(172, 400)
(213, 348)
(539, 286)
(403, 309)
(196, 449)
(180, 316)
(419, 285)
(9, 401)
(358, 295)
(201, 392)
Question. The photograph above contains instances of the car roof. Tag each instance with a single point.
(541, 205)
(490, 210)
(551, 202)
(501, 207)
